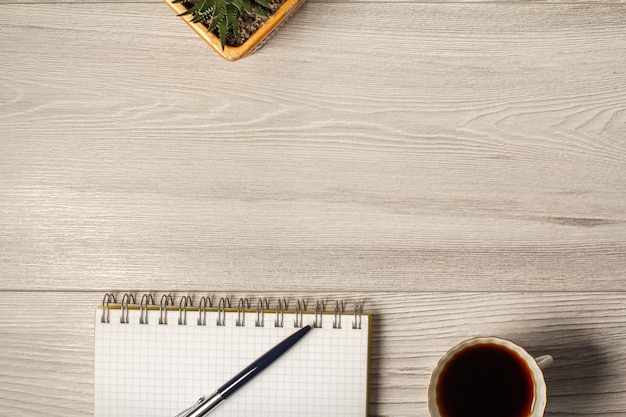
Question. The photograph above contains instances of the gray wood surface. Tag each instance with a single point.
(460, 166)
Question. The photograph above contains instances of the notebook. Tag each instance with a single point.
(157, 359)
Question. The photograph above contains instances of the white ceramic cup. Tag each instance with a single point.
(534, 365)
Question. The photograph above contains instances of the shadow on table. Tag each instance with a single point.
(579, 381)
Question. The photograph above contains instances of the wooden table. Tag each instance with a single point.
(458, 166)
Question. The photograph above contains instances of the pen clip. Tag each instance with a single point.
(191, 409)
(203, 406)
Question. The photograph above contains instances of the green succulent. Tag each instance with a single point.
(222, 15)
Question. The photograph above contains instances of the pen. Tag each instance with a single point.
(208, 403)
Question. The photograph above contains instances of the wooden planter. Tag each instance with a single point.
(258, 38)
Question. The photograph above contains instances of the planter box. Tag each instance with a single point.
(258, 38)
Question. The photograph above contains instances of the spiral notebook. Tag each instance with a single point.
(158, 359)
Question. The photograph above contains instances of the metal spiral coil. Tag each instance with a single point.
(261, 306)
(146, 300)
(126, 299)
(224, 309)
(165, 301)
(182, 310)
(106, 301)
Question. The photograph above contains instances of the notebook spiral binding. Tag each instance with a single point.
(129, 301)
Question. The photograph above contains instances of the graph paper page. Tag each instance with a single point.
(155, 370)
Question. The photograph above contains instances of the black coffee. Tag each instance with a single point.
(485, 380)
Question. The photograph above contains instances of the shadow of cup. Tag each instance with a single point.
(579, 381)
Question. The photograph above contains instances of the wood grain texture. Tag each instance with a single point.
(459, 146)
(485, 151)
(47, 361)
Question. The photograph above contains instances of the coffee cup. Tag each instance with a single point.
(488, 377)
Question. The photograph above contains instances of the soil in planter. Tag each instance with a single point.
(248, 23)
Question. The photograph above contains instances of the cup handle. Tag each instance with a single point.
(544, 361)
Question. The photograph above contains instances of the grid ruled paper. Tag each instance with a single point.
(158, 370)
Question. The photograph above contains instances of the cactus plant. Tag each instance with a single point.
(223, 16)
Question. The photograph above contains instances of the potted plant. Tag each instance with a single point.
(234, 28)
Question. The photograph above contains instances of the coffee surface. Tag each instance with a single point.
(485, 380)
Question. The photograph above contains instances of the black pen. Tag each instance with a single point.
(208, 403)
